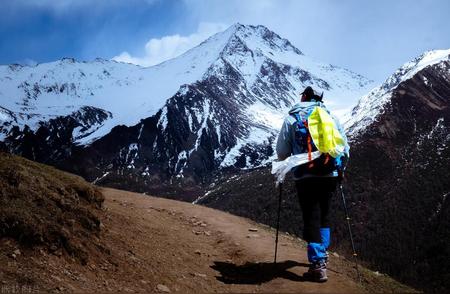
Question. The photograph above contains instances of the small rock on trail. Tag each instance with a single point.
(252, 236)
(162, 288)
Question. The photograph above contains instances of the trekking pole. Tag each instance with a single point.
(278, 222)
(350, 233)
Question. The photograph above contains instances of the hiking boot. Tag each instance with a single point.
(317, 272)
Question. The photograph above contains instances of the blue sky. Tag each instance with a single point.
(369, 37)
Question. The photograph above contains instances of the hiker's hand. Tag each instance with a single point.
(341, 176)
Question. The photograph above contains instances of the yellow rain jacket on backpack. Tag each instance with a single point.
(325, 133)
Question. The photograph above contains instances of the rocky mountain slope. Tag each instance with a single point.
(137, 243)
(399, 174)
(397, 179)
(216, 107)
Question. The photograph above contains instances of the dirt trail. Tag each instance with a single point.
(150, 244)
(193, 248)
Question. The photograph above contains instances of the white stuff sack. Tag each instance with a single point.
(281, 168)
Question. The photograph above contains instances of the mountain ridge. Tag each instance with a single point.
(220, 108)
(373, 103)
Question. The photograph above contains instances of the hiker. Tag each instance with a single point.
(316, 180)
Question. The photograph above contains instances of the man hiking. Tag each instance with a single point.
(305, 130)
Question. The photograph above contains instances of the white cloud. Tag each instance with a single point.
(158, 50)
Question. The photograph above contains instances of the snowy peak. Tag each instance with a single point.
(259, 38)
(409, 69)
(236, 43)
(373, 104)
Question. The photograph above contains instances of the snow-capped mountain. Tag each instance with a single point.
(219, 105)
(376, 101)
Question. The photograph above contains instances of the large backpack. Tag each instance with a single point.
(317, 131)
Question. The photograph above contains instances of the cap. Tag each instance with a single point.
(311, 94)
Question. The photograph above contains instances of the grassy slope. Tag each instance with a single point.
(42, 206)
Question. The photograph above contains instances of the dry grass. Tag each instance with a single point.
(42, 206)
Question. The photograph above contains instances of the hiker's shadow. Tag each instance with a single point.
(256, 273)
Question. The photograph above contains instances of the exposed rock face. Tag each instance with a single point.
(53, 140)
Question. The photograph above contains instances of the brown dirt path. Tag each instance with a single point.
(150, 244)
(193, 248)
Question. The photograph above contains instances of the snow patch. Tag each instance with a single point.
(163, 121)
(100, 178)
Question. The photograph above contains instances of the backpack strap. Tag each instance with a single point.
(311, 164)
(299, 120)
(304, 123)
